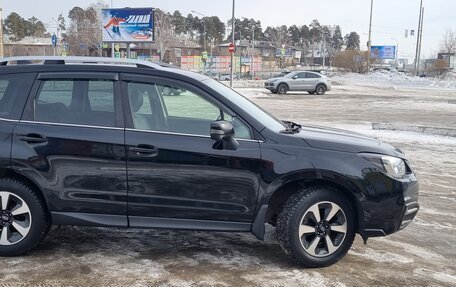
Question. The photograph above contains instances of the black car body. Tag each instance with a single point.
(91, 163)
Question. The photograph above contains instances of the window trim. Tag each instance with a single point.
(28, 114)
(152, 79)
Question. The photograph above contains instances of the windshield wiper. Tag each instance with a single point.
(292, 127)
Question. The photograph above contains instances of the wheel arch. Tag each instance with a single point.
(11, 174)
(321, 84)
(283, 83)
(278, 193)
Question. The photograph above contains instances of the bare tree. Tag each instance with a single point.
(448, 44)
(165, 32)
(84, 34)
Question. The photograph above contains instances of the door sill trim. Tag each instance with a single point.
(88, 219)
(188, 224)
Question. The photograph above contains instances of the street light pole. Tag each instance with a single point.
(232, 41)
(369, 44)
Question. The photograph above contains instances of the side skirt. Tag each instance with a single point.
(89, 219)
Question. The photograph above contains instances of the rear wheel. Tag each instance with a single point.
(311, 92)
(24, 221)
(320, 90)
(316, 227)
(282, 89)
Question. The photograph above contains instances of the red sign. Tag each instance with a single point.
(232, 48)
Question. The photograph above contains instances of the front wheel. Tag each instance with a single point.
(24, 221)
(311, 92)
(282, 89)
(316, 227)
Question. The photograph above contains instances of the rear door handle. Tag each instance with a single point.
(145, 150)
(32, 138)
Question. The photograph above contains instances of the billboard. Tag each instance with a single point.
(128, 25)
(383, 52)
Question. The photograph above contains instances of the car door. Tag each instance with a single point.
(70, 141)
(175, 177)
(298, 82)
(312, 80)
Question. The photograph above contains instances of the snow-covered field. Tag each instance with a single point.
(397, 79)
(423, 254)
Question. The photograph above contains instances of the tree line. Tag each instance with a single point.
(191, 26)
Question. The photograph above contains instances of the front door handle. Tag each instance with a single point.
(32, 138)
(145, 150)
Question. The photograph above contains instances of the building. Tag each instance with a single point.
(450, 58)
(28, 46)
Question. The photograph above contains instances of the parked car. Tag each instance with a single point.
(224, 77)
(311, 82)
(101, 145)
(171, 91)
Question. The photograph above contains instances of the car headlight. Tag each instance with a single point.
(393, 166)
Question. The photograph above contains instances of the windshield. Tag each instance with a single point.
(253, 110)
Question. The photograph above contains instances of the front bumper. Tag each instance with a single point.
(392, 211)
(270, 86)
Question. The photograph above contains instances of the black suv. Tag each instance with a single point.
(94, 141)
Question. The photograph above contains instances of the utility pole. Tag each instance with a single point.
(421, 38)
(1, 34)
(417, 59)
(369, 43)
(324, 52)
(232, 41)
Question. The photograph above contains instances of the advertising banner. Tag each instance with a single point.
(383, 52)
(128, 25)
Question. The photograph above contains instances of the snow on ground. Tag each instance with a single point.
(397, 79)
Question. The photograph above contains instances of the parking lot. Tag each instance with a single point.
(423, 254)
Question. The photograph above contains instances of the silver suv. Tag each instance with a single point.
(310, 82)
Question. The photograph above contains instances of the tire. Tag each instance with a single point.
(312, 249)
(274, 91)
(282, 89)
(320, 90)
(31, 218)
(311, 92)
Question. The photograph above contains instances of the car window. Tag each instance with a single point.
(313, 76)
(101, 96)
(190, 105)
(301, 75)
(80, 102)
(14, 90)
(154, 107)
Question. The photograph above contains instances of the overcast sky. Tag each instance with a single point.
(390, 20)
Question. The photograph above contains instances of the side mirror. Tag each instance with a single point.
(222, 132)
(294, 77)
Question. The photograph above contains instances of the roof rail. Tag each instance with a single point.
(78, 60)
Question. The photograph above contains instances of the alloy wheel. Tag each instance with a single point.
(322, 229)
(15, 218)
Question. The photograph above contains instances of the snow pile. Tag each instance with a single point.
(396, 79)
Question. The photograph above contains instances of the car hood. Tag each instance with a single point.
(273, 78)
(346, 141)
